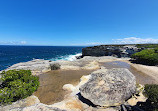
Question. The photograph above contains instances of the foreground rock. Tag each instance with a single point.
(31, 100)
(37, 107)
(104, 87)
(109, 87)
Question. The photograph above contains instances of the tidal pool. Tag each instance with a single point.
(51, 83)
(50, 90)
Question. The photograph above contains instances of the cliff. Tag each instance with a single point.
(111, 50)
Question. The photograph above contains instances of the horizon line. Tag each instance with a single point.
(73, 45)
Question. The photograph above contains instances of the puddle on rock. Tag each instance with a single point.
(140, 77)
(51, 83)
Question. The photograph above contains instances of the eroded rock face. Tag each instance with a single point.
(110, 50)
(109, 87)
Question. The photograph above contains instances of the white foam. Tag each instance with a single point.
(67, 57)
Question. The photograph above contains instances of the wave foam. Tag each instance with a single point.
(67, 57)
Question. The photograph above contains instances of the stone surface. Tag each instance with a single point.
(31, 100)
(69, 87)
(37, 66)
(109, 87)
(37, 107)
(79, 65)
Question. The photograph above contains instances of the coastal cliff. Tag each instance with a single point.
(111, 50)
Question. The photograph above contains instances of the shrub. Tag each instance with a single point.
(147, 56)
(147, 45)
(55, 66)
(151, 92)
(16, 85)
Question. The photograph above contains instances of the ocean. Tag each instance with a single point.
(10, 55)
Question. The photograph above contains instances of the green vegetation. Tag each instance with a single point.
(16, 85)
(147, 45)
(147, 57)
(151, 92)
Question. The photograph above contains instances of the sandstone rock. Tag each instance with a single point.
(37, 66)
(37, 107)
(79, 65)
(69, 87)
(139, 97)
(91, 65)
(31, 100)
(109, 87)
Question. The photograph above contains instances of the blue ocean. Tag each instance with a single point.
(10, 55)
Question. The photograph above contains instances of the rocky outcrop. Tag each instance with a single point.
(110, 50)
(109, 87)
(104, 87)
(37, 66)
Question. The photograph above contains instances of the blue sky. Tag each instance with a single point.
(78, 22)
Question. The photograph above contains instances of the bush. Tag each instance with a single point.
(16, 85)
(55, 66)
(147, 45)
(151, 92)
(147, 57)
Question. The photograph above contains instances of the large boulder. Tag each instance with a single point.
(109, 87)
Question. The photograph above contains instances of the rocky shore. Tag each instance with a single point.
(111, 50)
(94, 91)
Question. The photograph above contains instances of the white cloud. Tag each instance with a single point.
(12, 42)
(135, 40)
(23, 42)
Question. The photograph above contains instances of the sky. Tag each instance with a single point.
(78, 22)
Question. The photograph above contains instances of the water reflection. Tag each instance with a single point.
(51, 83)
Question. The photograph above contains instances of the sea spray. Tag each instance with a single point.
(71, 57)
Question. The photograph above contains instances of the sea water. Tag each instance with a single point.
(10, 55)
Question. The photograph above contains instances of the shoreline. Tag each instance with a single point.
(85, 63)
(40, 66)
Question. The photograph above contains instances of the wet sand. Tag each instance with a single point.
(51, 83)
